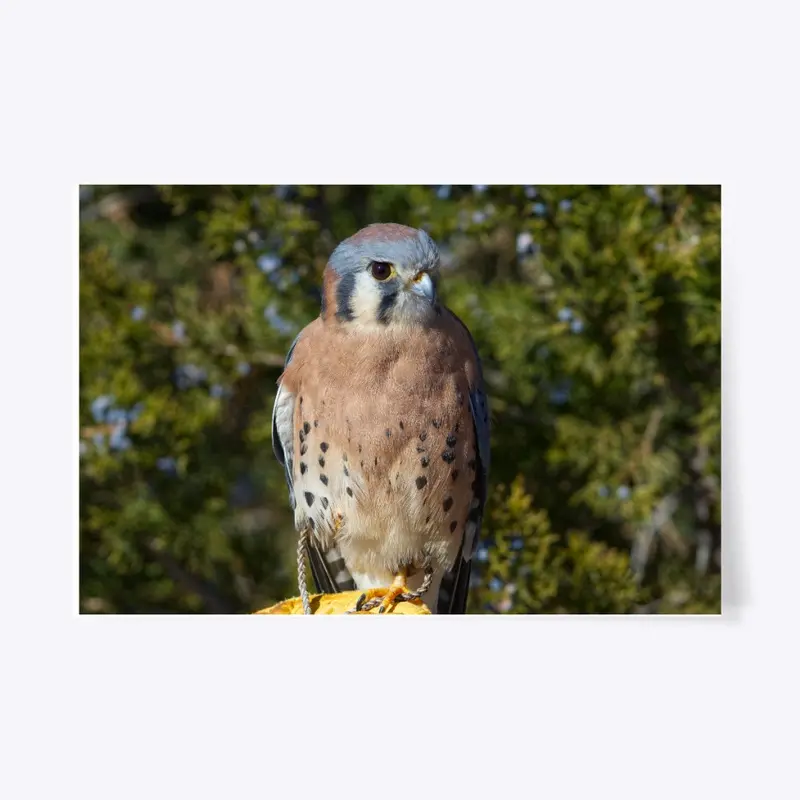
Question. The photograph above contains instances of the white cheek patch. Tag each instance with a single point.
(408, 308)
(365, 299)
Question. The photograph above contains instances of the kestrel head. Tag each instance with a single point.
(385, 274)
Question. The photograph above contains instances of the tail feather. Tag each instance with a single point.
(454, 589)
(329, 571)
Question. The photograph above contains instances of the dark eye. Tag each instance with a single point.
(381, 270)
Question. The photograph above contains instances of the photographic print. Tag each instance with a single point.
(475, 399)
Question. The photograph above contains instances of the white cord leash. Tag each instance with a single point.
(301, 571)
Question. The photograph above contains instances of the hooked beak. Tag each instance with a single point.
(422, 285)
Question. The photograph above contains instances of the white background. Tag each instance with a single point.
(542, 707)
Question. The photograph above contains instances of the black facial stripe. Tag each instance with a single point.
(344, 294)
(386, 305)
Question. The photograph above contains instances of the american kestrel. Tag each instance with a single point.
(381, 423)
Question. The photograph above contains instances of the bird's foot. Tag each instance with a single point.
(386, 597)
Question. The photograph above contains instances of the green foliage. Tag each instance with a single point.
(534, 571)
(596, 311)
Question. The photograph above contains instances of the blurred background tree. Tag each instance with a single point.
(596, 311)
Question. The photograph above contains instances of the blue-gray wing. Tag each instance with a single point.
(479, 404)
(282, 422)
(454, 589)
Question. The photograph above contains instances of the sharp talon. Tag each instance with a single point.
(386, 598)
(362, 604)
